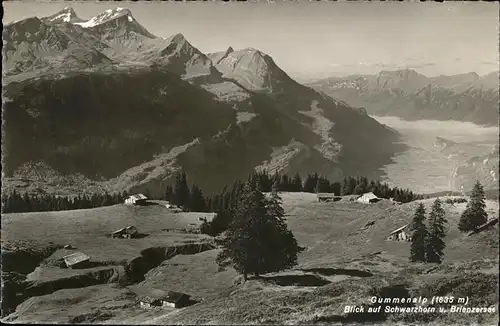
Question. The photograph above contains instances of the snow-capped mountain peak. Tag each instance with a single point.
(116, 23)
(216, 57)
(67, 15)
(106, 16)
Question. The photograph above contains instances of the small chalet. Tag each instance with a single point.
(127, 232)
(172, 299)
(138, 199)
(400, 234)
(76, 260)
(368, 198)
(327, 197)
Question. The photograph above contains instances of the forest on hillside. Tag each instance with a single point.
(223, 203)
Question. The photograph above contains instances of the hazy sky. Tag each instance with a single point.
(315, 39)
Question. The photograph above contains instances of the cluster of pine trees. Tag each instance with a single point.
(189, 199)
(315, 183)
(427, 241)
(17, 203)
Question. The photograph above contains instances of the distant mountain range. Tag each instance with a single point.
(413, 96)
(104, 102)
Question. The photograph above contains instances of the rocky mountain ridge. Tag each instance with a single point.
(413, 96)
(158, 106)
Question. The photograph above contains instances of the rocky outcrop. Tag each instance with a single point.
(18, 289)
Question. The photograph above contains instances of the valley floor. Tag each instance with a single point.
(347, 261)
(425, 167)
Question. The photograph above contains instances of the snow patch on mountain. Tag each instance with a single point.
(67, 15)
(106, 16)
(113, 34)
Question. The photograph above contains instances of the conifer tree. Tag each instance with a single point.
(257, 242)
(322, 185)
(344, 186)
(168, 193)
(274, 205)
(336, 187)
(277, 179)
(27, 206)
(475, 214)
(197, 200)
(296, 183)
(348, 186)
(310, 183)
(418, 238)
(434, 244)
(181, 190)
(285, 183)
(265, 182)
(372, 187)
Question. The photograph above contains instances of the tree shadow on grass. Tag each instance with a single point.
(148, 203)
(295, 280)
(338, 271)
(140, 235)
(135, 236)
(96, 316)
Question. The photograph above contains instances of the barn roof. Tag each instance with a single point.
(138, 197)
(369, 195)
(75, 258)
(399, 229)
(149, 299)
(175, 296)
(326, 195)
(130, 228)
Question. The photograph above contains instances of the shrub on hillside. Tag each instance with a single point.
(455, 200)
